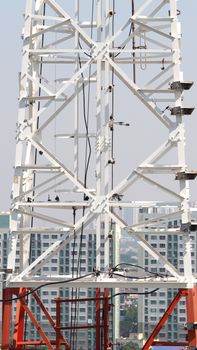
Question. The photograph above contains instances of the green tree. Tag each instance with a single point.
(130, 346)
(129, 324)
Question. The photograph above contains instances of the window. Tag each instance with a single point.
(153, 318)
(175, 223)
(53, 268)
(82, 318)
(154, 245)
(162, 311)
(153, 261)
(151, 310)
(154, 238)
(54, 261)
(182, 319)
(53, 293)
(82, 309)
(162, 269)
(162, 245)
(45, 268)
(44, 293)
(182, 311)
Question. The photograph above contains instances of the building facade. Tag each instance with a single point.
(167, 240)
(4, 231)
(77, 258)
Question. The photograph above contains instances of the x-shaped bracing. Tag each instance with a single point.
(98, 205)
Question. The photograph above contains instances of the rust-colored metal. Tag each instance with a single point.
(36, 324)
(191, 307)
(7, 317)
(97, 326)
(58, 323)
(106, 318)
(168, 343)
(51, 321)
(22, 309)
(19, 322)
(98, 319)
(170, 309)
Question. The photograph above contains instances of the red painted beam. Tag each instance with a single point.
(106, 318)
(167, 343)
(191, 308)
(170, 309)
(6, 318)
(98, 319)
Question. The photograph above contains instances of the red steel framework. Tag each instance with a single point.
(191, 312)
(17, 342)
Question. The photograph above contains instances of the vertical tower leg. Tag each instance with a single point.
(106, 318)
(98, 319)
(19, 322)
(6, 318)
(58, 321)
(191, 308)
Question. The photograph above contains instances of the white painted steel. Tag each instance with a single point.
(40, 98)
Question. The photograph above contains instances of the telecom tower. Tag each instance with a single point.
(89, 70)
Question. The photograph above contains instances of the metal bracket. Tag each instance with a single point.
(182, 110)
(186, 175)
(181, 85)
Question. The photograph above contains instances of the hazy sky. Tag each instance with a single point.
(11, 44)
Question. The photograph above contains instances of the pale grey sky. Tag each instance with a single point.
(10, 59)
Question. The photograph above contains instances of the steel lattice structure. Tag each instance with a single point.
(150, 37)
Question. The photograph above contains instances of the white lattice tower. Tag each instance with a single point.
(55, 41)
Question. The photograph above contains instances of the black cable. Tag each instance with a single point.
(134, 277)
(88, 143)
(85, 53)
(133, 42)
(67, 281)
(45, 285)
(123, 47)
(140, 267)
(88, 151)
(133, 292)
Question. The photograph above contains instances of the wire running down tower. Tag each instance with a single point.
(92, 71)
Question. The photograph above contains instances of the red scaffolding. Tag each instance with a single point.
(191, 313)
(16, 340)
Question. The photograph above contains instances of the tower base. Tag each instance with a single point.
(191, 314)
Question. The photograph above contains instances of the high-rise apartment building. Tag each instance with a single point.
(67, 262)
(166, 239)
(4, 231)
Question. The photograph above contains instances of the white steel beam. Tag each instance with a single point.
(43, 100)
